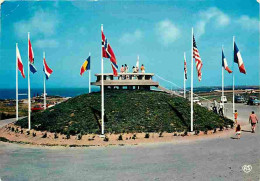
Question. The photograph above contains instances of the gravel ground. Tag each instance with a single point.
(208, 159)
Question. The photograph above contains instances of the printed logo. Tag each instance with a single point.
(247, 168)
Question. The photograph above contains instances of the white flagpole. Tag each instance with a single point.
(191, 99)
(89, 76)
(44, 86)
(233, 79)
(184, 81)
(222, 85)
(102, 89)
(16, 83)
(29, 88)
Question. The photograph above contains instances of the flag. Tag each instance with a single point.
(197, 58)
(46, 69)
(238, 59)
(185, 68)
(19, 62)
(107, 52)
(224, 63)
(31, 57)
(85, 66)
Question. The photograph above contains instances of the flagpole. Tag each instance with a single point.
(29, 88)
(16, 83)
(222, 101)
(191, 99)
(102, 89)
(89, 77)
(44, 86)
(184, 78)
(233, 79)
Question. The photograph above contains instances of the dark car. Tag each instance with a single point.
(239, 99)
(253, 101)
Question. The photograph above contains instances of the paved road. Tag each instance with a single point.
(209, 160)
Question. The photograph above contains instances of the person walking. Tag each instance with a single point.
(238, 131)
(235, 116)
(253, 120)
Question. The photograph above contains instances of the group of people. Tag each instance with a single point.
(215, 108)
(252, 119)
(125, 69)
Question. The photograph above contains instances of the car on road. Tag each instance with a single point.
(239, 99)
(223, 99)
(253, 101)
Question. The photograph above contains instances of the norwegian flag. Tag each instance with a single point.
(46, 69)
(238, 59)
(31, 56)
(224, 63)
(197, 58)
(19, 62)
(185, 68)
(107, 52)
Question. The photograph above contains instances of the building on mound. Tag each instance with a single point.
(130, 81)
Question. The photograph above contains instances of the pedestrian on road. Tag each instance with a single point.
(235, 116)
(238, 131)
(253, 120)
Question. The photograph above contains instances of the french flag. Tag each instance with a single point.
(238, 59)
(46, 69)
(31, 57)
(107, 52)
(19, 62)
(224, 63)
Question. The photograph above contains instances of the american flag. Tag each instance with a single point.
(185, 68)
(197, 58)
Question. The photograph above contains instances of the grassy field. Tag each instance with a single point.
(125, 111)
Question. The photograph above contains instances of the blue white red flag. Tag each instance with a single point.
(107, 52)
(224, 63)
(238, 59)
(46, 69)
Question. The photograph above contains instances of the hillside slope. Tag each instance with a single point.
(125, 111)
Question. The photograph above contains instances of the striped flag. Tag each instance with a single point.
(197, 58)
(238, 59)
(31, 57)
(85, 66)
(224, 63)
(107, 52)
(19, 61)
(46, 69)
(185, 68)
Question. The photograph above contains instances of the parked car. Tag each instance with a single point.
(253, 101)
(224, 99)
(239, 99)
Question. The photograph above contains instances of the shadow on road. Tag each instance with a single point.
(234, 138)
(246, 131)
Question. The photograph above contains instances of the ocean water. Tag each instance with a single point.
(64, 92)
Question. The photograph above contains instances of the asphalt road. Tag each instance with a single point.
(211, 159)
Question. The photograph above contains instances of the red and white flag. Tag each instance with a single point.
(197, 58)
(185, 68)
(107, 52)
(19, 62)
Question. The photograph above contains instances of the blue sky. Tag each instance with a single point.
(159, 32)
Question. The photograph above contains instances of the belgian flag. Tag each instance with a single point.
(85, 66)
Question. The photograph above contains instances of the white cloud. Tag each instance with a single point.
(167, 31)
(129, 38)
(248, 23)
(43, 23)
(219, 18)
(46, 43)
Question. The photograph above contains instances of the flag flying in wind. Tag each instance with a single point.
(185, 68)
(224, 63)
(238, 59)
(107, 52)
(85, 66)
(46, 69)
(31, 57)
(19, 62)
(197, 58)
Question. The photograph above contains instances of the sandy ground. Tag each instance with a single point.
(207, 157)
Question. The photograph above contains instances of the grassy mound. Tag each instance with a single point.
(125, 111)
